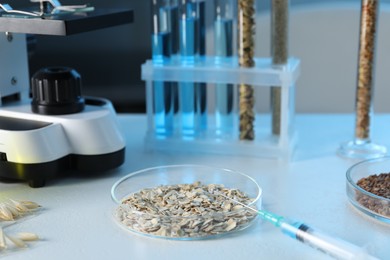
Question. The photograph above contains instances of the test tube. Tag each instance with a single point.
(201, 5)
(192, 98)
(170, 23)
(202, 87)
(161, 52)
(366, 65)
(361, 146)
(246, 50)
(279, 53)
(224, 48)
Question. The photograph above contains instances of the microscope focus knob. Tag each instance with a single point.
(56, 91)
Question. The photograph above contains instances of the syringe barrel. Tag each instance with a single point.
(332, 246)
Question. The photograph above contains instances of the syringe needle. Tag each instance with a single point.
(273, 218)
(334, 247)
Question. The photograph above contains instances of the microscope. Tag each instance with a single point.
(47, 128)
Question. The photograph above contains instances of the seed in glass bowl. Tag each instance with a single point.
(378, 184)
(185, 210)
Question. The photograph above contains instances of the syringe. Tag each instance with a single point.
(298, 230)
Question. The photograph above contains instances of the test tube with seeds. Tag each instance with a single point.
(246, 46)
(361, 146)
(279, 53)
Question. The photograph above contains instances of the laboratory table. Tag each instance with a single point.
(76, 219)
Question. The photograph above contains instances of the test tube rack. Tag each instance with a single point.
(263, 75)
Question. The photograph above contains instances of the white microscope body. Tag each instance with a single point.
(36, 147)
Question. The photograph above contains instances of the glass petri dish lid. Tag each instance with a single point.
(363, 196)
(176, 202)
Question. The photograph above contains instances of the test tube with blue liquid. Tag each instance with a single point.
(171, 24)
(192, 98)
(224, 24)
(202, 87)
(162, 43)
(169, 14)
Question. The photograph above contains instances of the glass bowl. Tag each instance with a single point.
(200, 225)
(371, 204)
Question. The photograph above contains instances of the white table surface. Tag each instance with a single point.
(76, 220)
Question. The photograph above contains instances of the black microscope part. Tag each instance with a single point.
(56, 91)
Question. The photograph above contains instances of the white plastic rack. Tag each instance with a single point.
(212, 71)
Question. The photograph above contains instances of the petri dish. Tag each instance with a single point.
(369, 203)
(204, 225)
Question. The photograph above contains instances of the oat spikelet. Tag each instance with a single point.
(18, 242)
(27, 236)
(3, 244)
(30, 204)
(5, 213)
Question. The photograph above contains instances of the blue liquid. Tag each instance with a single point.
(223, 37)
(187, 102)
(163, 92)
(170, 23)
(224, 95)
(188, 39)
(198, 29)
(161, 47)
(202, 104)
(202, 87)
(193, 96)
(224, 115)
(188, 108)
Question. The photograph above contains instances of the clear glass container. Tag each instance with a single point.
(279, 54)
(369, 203)
(189, 30)
(192, 96)
(225, 48)
(246, 50)
(202, 87)
(164, 41)
(227, 68)
(170, 23)
(262, 77)
(362, 146)
(184, 174)
(161, 31)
